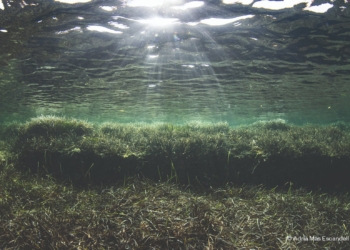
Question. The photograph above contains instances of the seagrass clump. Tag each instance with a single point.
(270, 152)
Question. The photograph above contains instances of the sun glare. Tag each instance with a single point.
(143, 3)
(103, 29)
(159, 21)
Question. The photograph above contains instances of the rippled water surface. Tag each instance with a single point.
(235, 61)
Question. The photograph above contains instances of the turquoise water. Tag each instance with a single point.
(175, 61)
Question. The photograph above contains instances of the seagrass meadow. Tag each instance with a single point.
(72, 184)
(270, 152)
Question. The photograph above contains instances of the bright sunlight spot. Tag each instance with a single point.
(103, 29)
(159, 21)
(73, 1)
(222, 21)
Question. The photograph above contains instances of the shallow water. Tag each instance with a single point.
(175, 61)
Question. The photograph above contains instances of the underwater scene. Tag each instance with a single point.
(175, 124)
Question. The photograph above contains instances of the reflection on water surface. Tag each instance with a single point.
(234, 61)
